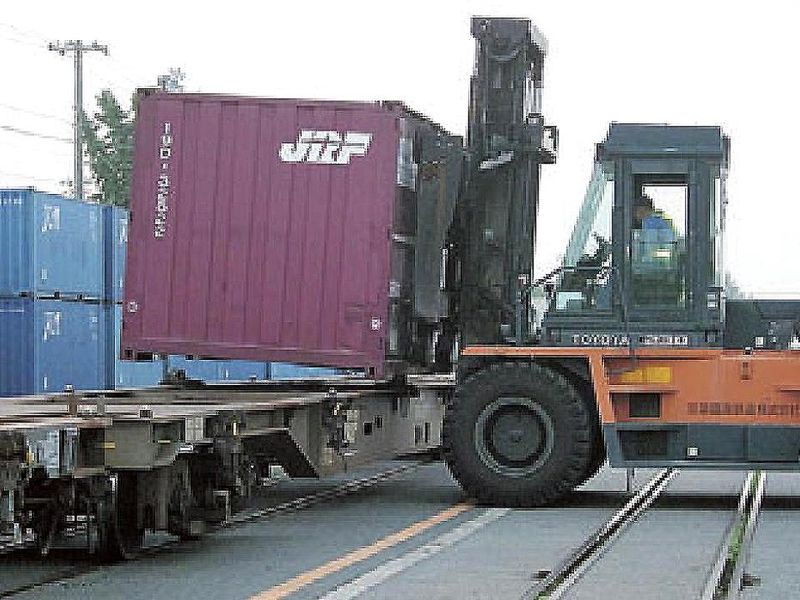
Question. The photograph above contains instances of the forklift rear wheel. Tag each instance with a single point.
(517, 434)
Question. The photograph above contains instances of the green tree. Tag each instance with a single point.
(108, 140)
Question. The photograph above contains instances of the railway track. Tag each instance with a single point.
(575, 575)
(83, 566)
(724, 573)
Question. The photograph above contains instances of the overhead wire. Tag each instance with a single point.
(17, 40)
(35, 113)
(44, 136)
(119, 71)
(36, 148)
(18, 35)
(34, 178)
(26, 33)
(30, 38)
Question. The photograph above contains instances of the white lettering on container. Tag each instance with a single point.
(163, 183)
(325, 147)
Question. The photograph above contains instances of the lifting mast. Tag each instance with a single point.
(508, 142)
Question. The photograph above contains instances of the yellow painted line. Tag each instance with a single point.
(296, 583)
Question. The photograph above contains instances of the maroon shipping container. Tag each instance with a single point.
(302, 231)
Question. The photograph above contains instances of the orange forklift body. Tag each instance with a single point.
(703, 407)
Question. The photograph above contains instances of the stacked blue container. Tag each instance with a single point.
(50, 246)
(62, 271)
(52, 326)
(46, 345)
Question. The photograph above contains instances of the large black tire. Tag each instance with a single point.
(517, 434)
(598, 457)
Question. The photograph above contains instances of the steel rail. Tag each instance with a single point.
(570, 570)
(344, 489)
(724, 580)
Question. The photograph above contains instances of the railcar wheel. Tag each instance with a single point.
(119, 533)
(517, 434)
(179, 513)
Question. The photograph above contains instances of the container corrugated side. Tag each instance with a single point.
(17, 347)
(50, 246)
(115, 235)
(48, 344)
(249, 240)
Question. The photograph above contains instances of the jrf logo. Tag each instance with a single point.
(325, 147)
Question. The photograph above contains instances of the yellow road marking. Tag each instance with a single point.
(296, 583)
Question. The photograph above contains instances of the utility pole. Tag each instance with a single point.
(77, 47)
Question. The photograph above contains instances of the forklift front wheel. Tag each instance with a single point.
(517, 434)
(514, 436)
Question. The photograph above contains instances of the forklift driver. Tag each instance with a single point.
(645, 216)
(657, 256)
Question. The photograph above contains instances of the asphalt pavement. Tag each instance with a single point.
(417, 536)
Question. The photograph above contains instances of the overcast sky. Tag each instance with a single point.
(698, 62)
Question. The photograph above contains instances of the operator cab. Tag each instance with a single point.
(644, 263)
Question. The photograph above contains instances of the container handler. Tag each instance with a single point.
(628, 351)
(637, 355)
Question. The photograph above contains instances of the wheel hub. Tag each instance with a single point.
(508, 429)
(514, 436)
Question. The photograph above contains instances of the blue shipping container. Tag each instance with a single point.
(219, 370)
(50, 245)
(242, 370)
(125, 373)
(48, 344)
(282, 370)
(115, 233)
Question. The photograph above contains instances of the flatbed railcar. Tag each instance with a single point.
(181, 456)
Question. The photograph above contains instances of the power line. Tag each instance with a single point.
(43, 136)
(26, 33)
(24, 42)
(35, 152)
(36, 148)
(120, 71)
(35, 114)
(32, 178)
